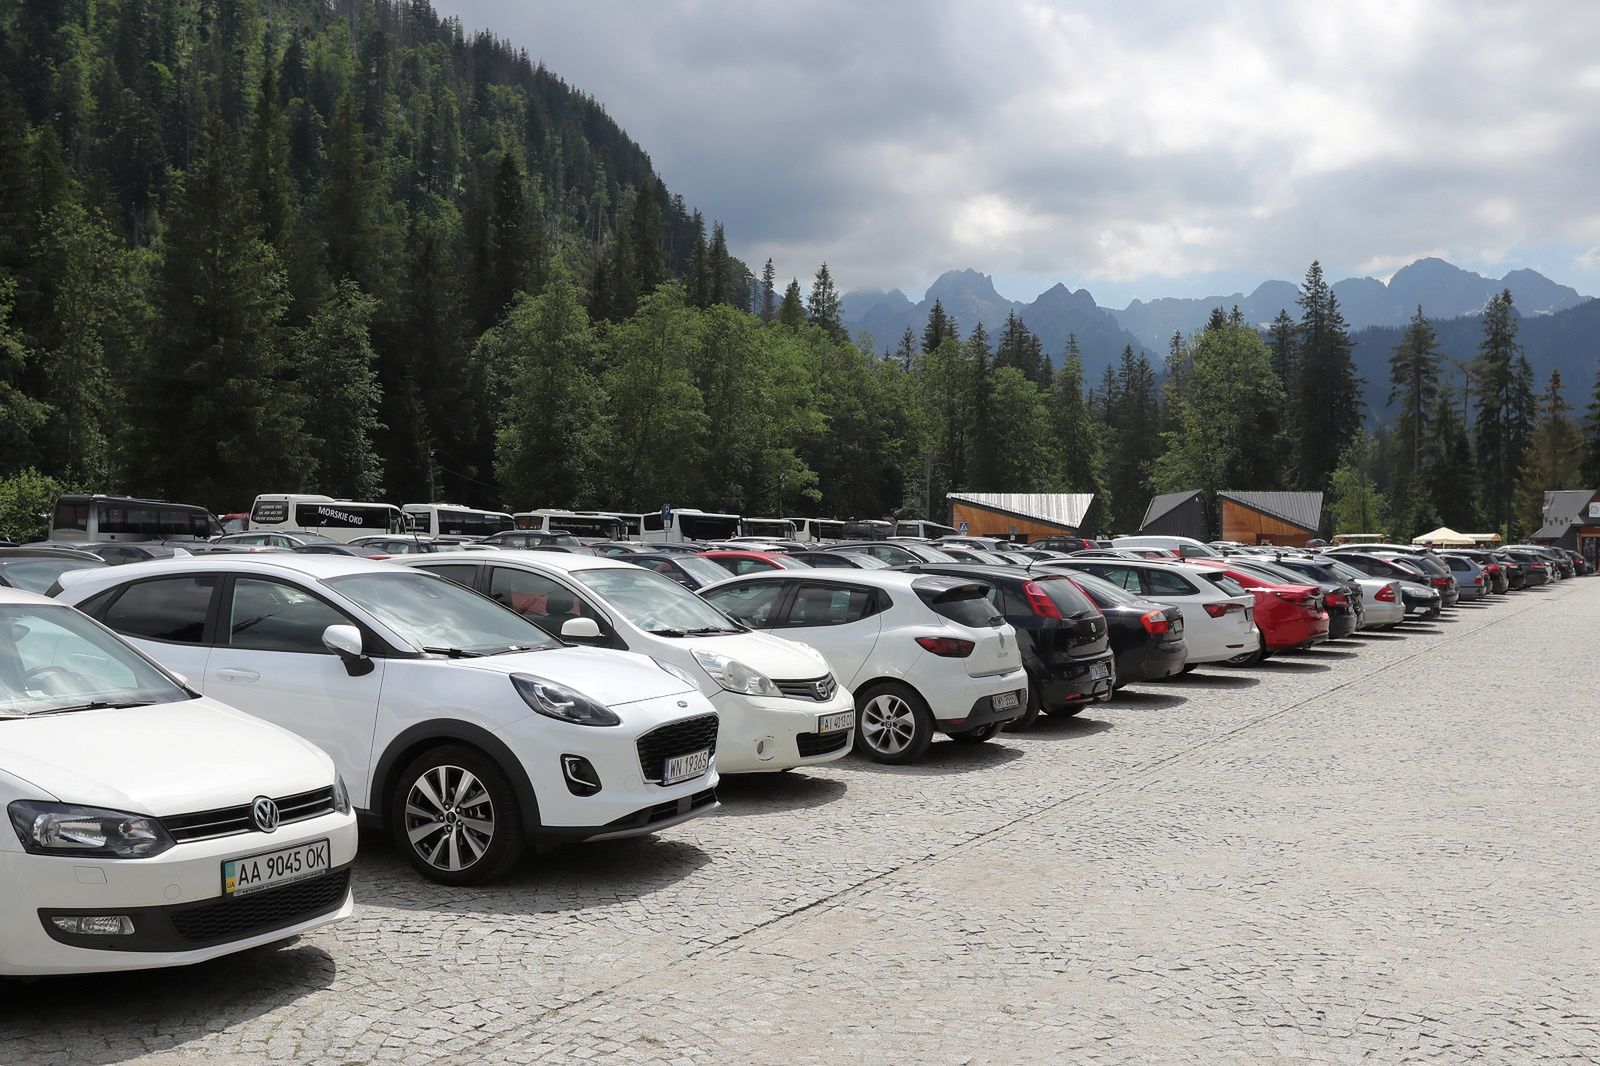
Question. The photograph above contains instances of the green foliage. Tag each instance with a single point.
(1503, 395)
(1132, 411)
(340, 384)
(27, 500)
(1354, 503)
(1327, 407)
(1553, 456)
(822, 305)
(1414, 385)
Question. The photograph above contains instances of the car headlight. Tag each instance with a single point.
(67, 829)
(677, 671)
(341, 795)
(735, 676)
(562, 703)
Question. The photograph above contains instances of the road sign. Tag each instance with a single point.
(963, 529)
(666, 515)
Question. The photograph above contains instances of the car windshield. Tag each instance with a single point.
(702, 570)
(53, 659)
(1344, 571)
(655, 603)
(1103, 591)
(39, 573)
(440, 616)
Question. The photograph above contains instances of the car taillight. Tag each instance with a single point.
(1217, 610)
(1440, 582)
(1385, 594)
(1337, 599)
(1040, 602)
(1155, 623)
(1477, 580)
(948, 647)
(1296, 598)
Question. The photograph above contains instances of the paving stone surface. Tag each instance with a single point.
(1382, 851)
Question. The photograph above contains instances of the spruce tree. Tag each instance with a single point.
(822, 305)
(699, 264)
(1591, 437)
(1077, 433)
(339, 379)
(1413, 385)
(792, 312)
(1553, 456)
(510, 269)
(268, 175)
(1020, 349)
(721, 290)
(350, 200)
(1327, 402)
(644, 225)
(939, 329)
(906, 352)
(983, 463)
(769, 309)
(1501, 408)
(1281, 339)
(1449, 473)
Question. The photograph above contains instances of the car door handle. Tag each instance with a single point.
(229, 673)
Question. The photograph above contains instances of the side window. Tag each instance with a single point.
(1122, 576)
(172, 608)
(752, 604)
(748, 566)
(461, 575)
(272, 616)
(823, 605)
(534, 596)
(1166, 583)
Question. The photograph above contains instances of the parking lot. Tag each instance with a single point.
(1381, 850)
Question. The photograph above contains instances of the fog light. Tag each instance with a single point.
(581, 776)
(766, 748)
(95, 924)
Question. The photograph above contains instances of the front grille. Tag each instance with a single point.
(820, 743)
(227, 821)
(674, 739)
(221, 921)
(816, 689)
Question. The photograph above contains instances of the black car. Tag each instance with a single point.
(693, 572)
(1535, 567)
(1063, 544)
(533, 538)
(1422, 599)
(1146, 637)
(1342, 598)
(37, 569)
(840, 560)
(1061, 634)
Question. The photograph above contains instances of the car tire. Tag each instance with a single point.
(477, 832)
(893, 723)
(1030, 715)
(978, 735)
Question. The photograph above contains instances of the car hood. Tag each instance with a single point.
(614, 678)
(779, 659)
(171, 758)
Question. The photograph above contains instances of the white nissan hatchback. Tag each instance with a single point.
(464, 728)
(780, 705)
(149, 826)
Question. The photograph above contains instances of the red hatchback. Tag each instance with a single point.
(1290, 616)
(739, 563)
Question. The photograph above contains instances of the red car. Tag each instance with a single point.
(1290, 616)
(739, 563)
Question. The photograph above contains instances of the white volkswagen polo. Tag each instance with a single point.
(149, 826)
(463, 727)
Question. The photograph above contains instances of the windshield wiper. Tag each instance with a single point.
(454, 653)
(666, 632)
(706, 631)
(94, 705)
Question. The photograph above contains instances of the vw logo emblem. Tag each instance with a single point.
(264, 813)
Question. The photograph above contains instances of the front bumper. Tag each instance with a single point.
(175, 900)
(761, 734)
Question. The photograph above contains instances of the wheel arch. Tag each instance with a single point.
(418, 738)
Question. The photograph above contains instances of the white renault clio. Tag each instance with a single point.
(781, 706)
(463, 727)
(149, 826)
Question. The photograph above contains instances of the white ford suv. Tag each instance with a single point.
(463, 727)
(149, 826)
(923, 654)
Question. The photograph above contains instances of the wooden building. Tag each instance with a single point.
(1290, 519)
(1177, 514)
(1572, 521)
(1021, 515)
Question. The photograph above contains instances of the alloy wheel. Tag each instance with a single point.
(449, 818)
(888, 724)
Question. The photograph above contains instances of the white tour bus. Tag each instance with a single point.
(341, 520)
(85, 519)
(454, 520)
(818, 530)
(578, 523)
(780, 528)
(929, 530)
(685, 525)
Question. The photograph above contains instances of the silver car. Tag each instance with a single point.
(1472, 582)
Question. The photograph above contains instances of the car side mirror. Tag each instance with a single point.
(580, 629)
(345, 642)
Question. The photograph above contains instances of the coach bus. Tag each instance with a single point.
(454, 520)
(341, 520)
(82, 518)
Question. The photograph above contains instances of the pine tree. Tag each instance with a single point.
(1327, 402)
(1450, 476)
(939, 329)
(1501, 408)
(983, 460)
(1281, 339)
(268, 174)
(699, 265)
(1591, 433)
(1077, 434)
(644, 226)
(349, 200)
(721, 290)
(1552, 455)
(822, 305)
(1136, 415)
(1019, 348)
(768, 295)
(339, 379)
(906, 352)
(510, 267)
(792, 312)
(1414, 384)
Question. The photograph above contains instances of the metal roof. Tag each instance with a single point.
(1301, 509)
(1562, 507)
(1058, 508)
(1166, 503)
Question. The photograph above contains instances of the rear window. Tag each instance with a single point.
(1227, 584)
(1065, 595)
(1104, 592)
(966, 605)
(1458, 564)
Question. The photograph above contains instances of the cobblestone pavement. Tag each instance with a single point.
(1381, 851)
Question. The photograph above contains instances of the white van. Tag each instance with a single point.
(578, 523)
(454, 520)
(340, 520)
(1186, 547)
(95, 519)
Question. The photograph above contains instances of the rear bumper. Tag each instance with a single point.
(1069, 680)
(1151, 662)
(1295, 633)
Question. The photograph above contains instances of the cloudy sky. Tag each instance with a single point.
(1136, 149)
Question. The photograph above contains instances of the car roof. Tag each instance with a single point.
(315, 567)
(9, 595)
(888, 580)
(46, 551)
(544, 560)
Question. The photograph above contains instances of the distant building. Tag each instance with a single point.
(1021, 515)
(1177, 514)
(1289, 519)
(1572, 521)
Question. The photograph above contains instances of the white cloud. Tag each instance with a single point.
(1135, 145)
